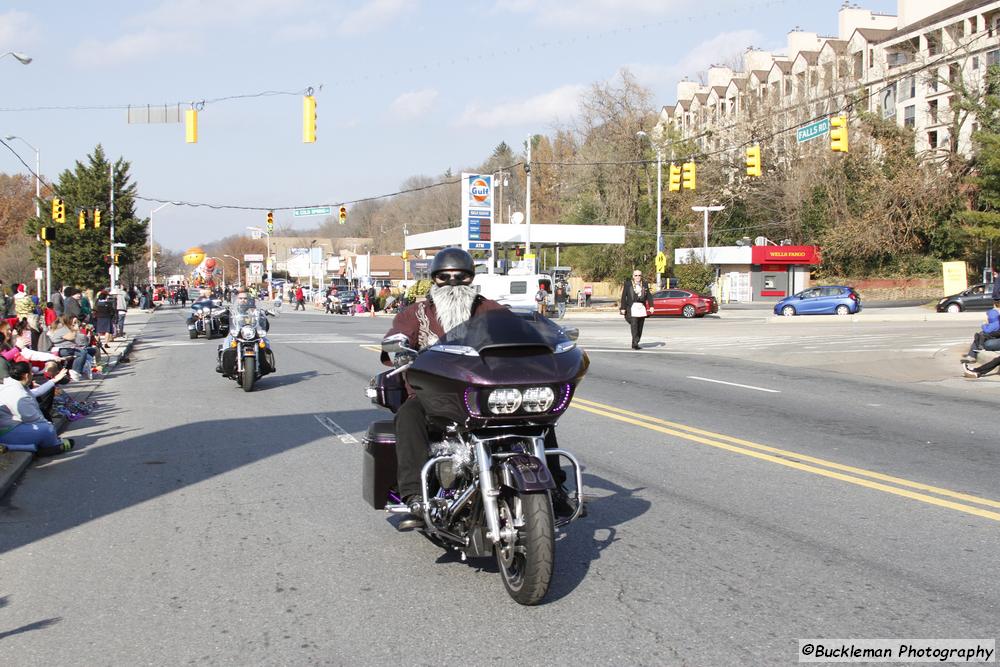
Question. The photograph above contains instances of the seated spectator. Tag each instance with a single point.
(70, 341)
(23, 427)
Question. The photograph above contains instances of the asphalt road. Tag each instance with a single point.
(750, 484)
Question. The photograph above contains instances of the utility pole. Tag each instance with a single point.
(527, 207)
(113, 269)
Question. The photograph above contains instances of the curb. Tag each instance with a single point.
(21, 460)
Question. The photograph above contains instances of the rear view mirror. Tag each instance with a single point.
(396, 343)
(571, 332)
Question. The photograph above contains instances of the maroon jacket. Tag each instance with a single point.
(420, 324)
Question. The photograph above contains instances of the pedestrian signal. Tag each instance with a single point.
(48, 234)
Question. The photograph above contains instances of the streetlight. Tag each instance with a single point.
(659, 201)
(152, 270)
(706, 210)
(270, 272)
(38, 210)
(311, 244)
(21, 58)
(238, 272)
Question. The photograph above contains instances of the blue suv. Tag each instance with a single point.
(829, 300)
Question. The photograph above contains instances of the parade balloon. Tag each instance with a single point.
(210, 263)
(194, 256)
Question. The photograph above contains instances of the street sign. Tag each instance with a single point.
(316, 210)
(812, 130)
(661, 262)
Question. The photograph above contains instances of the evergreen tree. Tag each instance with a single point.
(78, 256)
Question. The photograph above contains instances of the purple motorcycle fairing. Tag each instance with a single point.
(513, 351)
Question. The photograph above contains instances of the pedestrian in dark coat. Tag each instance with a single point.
(635, 293)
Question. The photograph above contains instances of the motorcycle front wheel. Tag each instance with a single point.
(249, 373)
(526, 560)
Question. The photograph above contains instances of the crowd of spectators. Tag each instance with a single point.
(44, 345)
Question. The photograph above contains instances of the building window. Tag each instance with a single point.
(932, 112)
(909, 116)
(973, 25)
(954, 73)
(975, 62)
(897, 58)
(993, 58)
(932, 139)
(932, 84)
(907, 88)
(859, 65)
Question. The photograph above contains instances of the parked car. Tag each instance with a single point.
(826, 300)
(977, 297)
(344, 301)
(682, 302)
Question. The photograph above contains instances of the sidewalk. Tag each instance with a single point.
(13, 464)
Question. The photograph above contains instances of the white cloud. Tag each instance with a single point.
(374, 14)
(590, 13)
(716, 51)
(412, 105)
(133, 47)
(184, 14)
(16, 28)
(561, 103)
(301, 32)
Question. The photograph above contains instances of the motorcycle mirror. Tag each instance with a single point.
(571, 332)
(396, 343)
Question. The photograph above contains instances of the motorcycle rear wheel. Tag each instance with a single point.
(249, 373)
(526, 562)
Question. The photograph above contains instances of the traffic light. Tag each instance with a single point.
(838, 134)
(81, 218)
(689, 173)
(519, 252)
(270, 221)
(48, 234)
(406, 255)
(343, 215)
(675, 178)
(108, 259)
(308, 119)
(58, 210)
(753, 160)
(97, 218)
(191, 126)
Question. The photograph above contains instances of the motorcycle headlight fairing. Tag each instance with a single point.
(248, 332)
(538, 399)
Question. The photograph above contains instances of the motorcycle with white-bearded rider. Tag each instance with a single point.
(246, 356)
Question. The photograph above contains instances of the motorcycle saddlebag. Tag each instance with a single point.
(379, 465)
(267, 362)
(229, 361)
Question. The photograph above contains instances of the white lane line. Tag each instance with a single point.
(336, 429)
(734, 384)
(630, 350)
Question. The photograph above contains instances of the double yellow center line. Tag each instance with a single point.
(961, 502)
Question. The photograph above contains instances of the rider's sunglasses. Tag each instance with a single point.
(448, 276)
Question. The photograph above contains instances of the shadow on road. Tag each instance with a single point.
(108, 477)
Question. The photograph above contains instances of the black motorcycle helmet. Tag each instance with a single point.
(454, 260)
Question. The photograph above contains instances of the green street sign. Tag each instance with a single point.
(812, 130)
(317, 210)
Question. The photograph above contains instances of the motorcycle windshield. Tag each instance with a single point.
(245, 316)
(496, 329)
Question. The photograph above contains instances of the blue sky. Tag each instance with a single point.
(408, 86)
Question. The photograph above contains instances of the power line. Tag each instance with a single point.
(125, 107)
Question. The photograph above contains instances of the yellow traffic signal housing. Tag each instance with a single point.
(753, 160)
(688, 172)
(406, 255)
(838, 134)
(58, 210)
(675, 178)
(81, 219)
(48, 234)
(308, 119)
(343, 215)
(191, 126)
(270, 221)
(97, 218)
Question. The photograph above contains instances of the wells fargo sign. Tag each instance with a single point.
(784, 254)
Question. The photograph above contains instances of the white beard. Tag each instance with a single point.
(453, 304)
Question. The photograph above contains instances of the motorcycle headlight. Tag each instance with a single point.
(247, 332)
(538, 399)
(504, 401)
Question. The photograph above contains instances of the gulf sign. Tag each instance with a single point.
(480, 192)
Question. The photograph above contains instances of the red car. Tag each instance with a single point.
(682, 302)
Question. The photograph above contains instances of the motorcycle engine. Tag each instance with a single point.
(449, 473)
